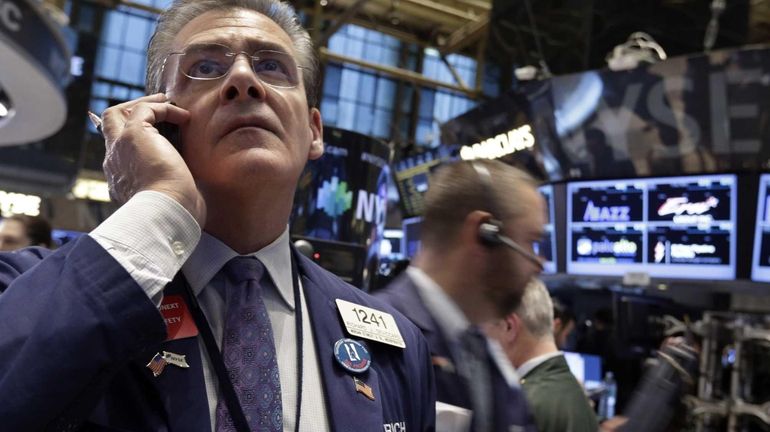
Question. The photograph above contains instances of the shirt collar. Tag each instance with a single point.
(447, 314)
(211, 255)
(534, 362)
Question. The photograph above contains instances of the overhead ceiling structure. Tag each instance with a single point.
(558, 36)
(450, 26)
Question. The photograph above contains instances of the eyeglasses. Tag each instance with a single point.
(206, 62)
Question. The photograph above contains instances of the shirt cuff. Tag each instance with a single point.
(151, 236)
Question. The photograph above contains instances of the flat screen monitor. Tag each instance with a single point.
(390, 244)
(546, 248)
(587, 369)
(672, 227)
(760, 262)
(411, 240)
(412, 175)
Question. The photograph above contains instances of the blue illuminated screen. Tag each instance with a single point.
(673, 227)
(547, 247)
(586, 368)
(410, 243)
(760, 262)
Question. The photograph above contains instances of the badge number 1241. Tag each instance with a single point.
(367, 318)
(370, 323)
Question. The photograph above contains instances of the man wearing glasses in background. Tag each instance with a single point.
(481, 220)
(249, 335)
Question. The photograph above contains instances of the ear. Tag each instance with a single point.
(556, 326)
(514, 325)
(505, 332)
(317, 133)
(470, 230)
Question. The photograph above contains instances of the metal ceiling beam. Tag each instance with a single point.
(401, 74)
(380, 26)
(438, 7)
(453, 71)
(481, 56)
(477, 4)
(466, 35)
(426, 11)
(341, 20)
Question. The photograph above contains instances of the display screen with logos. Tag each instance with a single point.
(546, 248)
(760, 262)
(672, 227)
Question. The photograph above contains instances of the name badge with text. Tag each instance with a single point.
(369, 323)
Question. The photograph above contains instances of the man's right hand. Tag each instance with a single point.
(138, 157)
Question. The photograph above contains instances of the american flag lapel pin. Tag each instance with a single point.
(157, 364)
(363, 388)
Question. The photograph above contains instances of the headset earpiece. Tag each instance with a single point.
(489, 232)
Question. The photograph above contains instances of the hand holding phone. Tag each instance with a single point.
(137, 159)
(171, 132)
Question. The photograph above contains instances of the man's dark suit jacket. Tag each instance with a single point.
(511, 412)
(556, 398)
(76, 332)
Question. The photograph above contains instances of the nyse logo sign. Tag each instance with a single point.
(370, 207)
(10, 15)
(335, 199)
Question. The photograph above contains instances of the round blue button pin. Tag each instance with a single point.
(352, 355)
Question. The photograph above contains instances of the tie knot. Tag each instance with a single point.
(242, 268)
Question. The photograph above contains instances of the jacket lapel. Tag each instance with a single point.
(348, 409)
(451, 388)
(181, 390)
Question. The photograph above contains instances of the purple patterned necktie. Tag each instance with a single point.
(248, 348)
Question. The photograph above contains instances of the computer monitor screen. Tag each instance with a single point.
(760, 262)
(411, 240)
(587, 369)
(605, 226)
(672, 227)
(411, 176)
(546, 248)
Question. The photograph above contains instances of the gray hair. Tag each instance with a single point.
(171, 21)
(536, 309)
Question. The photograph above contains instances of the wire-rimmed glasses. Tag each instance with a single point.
(211, 61)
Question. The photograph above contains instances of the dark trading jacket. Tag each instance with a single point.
(76, 333)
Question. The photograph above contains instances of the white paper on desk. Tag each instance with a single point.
(451, 418)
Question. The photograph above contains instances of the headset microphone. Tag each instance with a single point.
(489, 232)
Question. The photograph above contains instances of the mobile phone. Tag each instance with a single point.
(171, 132)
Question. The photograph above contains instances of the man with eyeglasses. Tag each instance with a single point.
(188, 310)
(481, 220)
